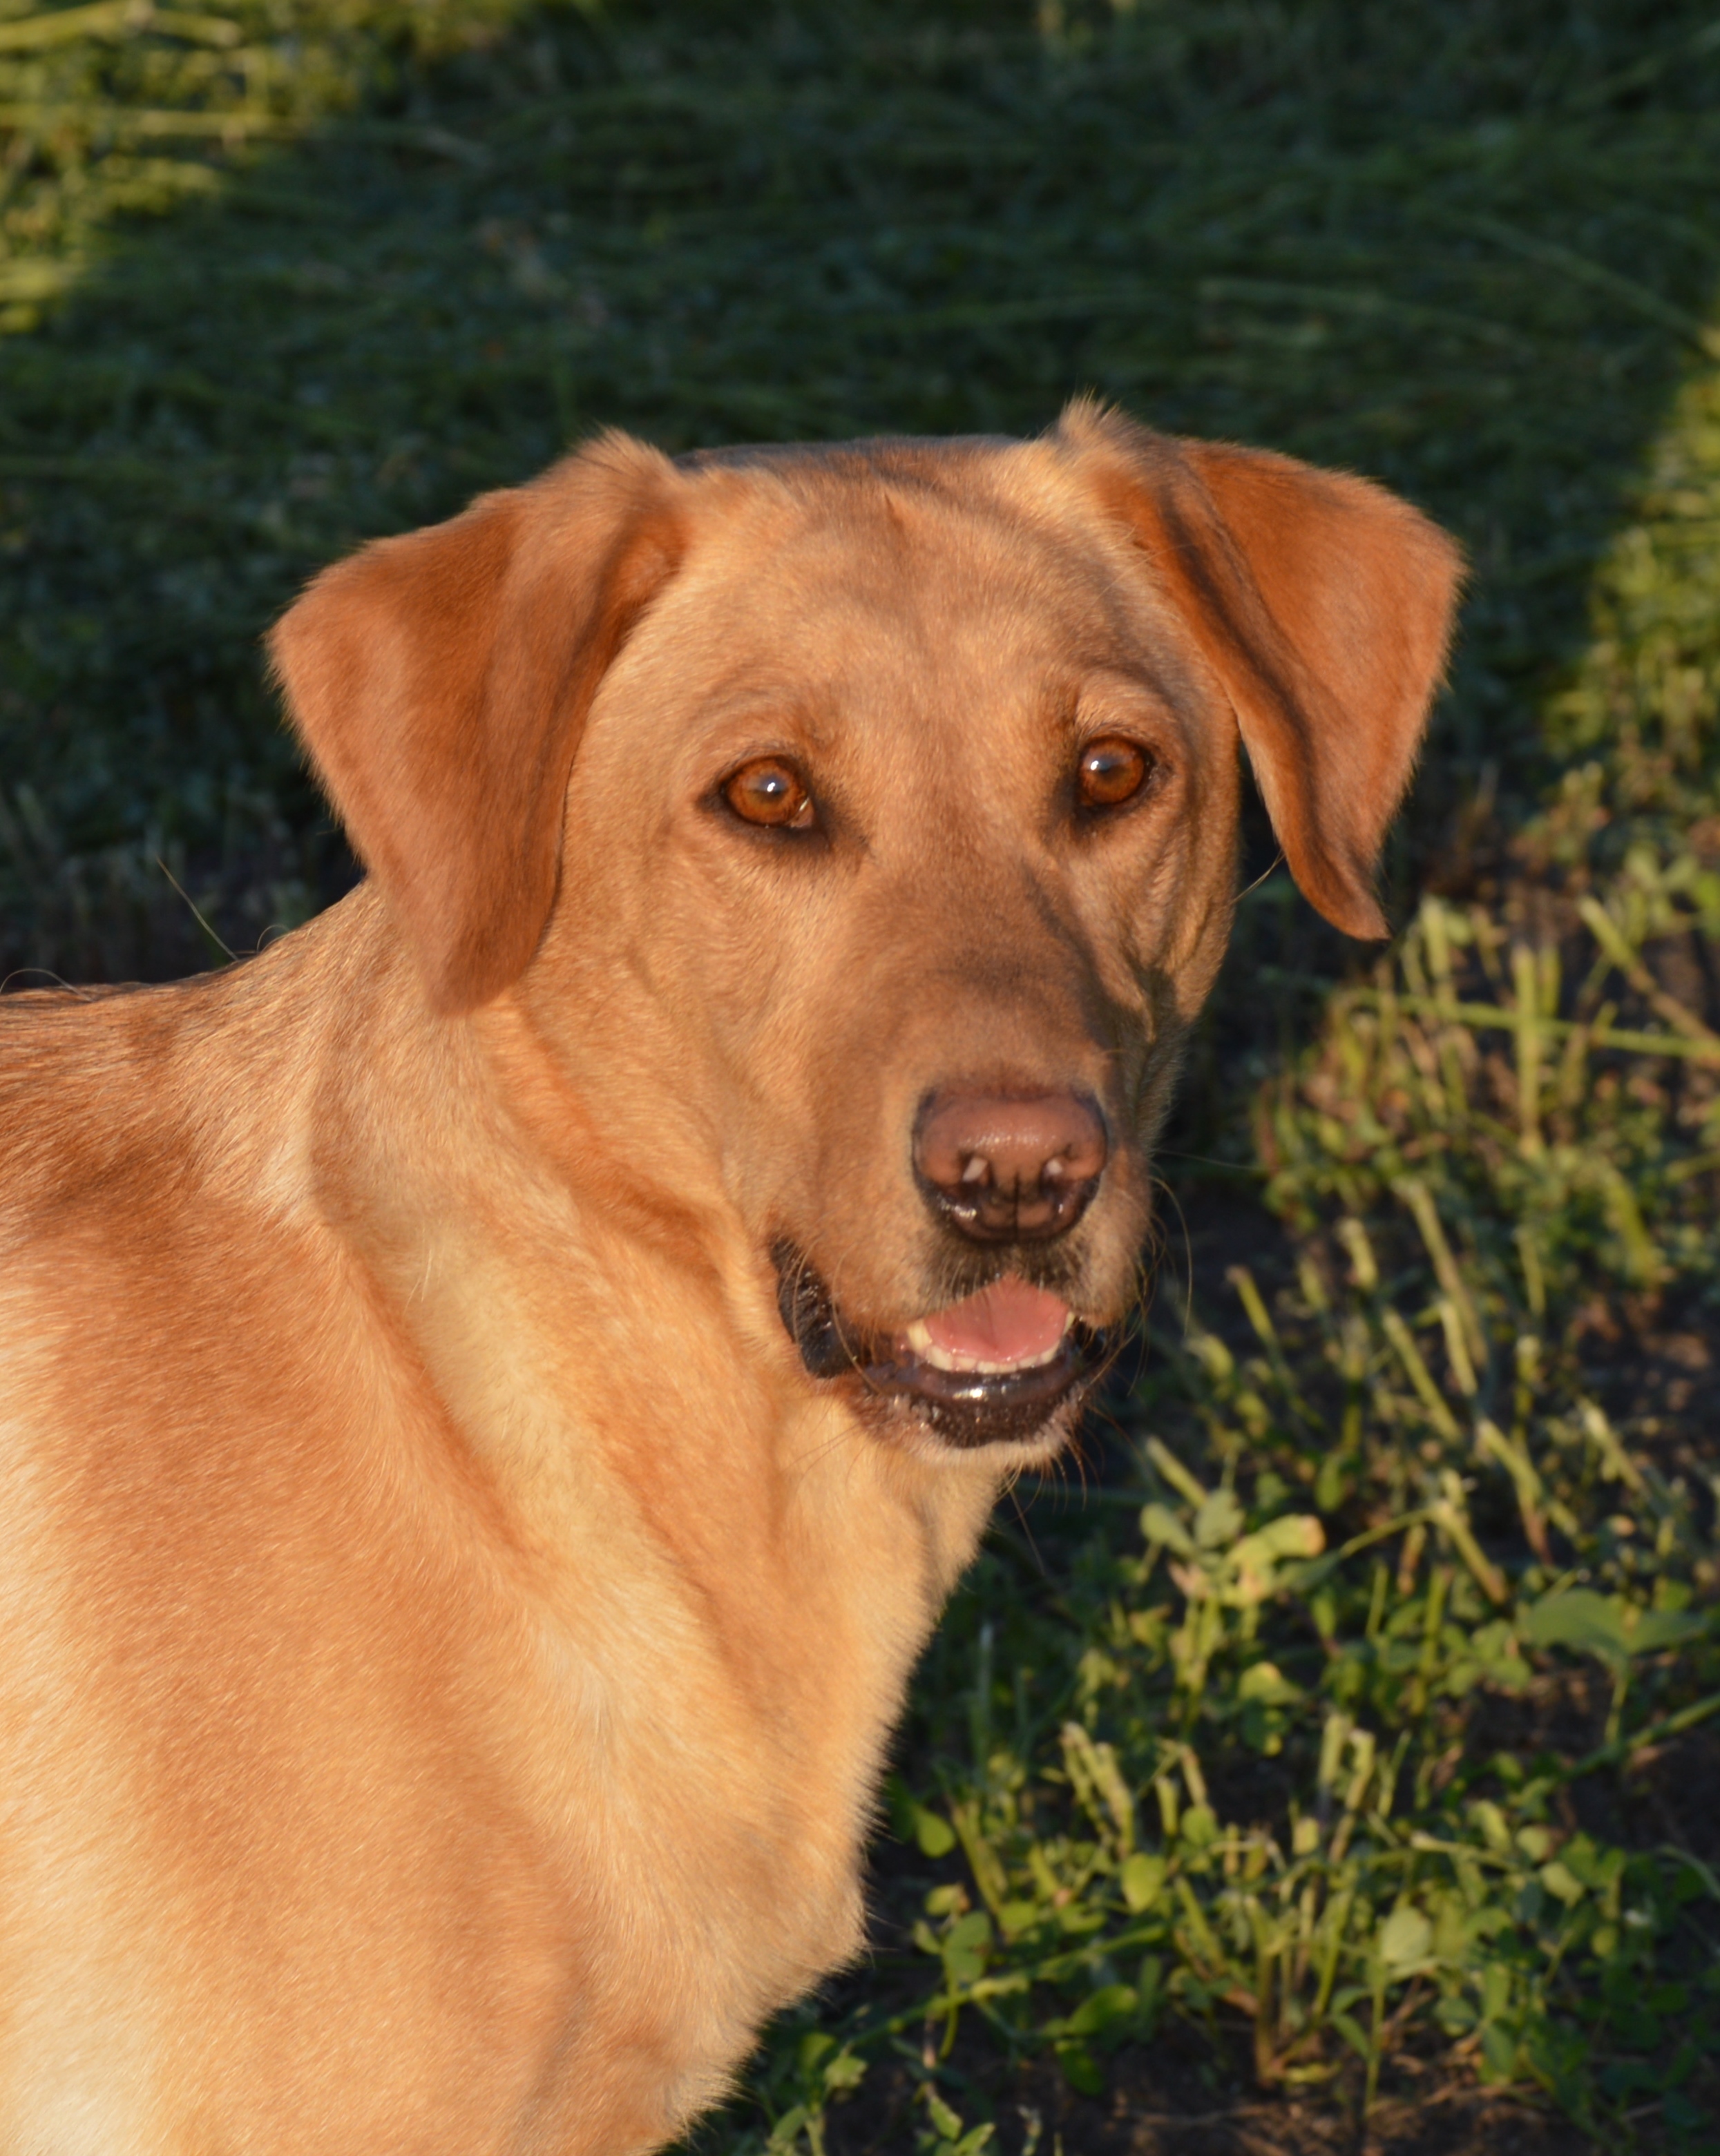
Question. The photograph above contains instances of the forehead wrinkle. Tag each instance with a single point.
(939, 593)
(1027, 495)
(861, 537)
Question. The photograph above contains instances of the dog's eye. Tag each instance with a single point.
(1111, 770)
(770, 791)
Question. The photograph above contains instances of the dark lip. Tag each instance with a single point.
(968, 1409)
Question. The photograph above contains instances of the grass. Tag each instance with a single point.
(1461, 246)
(1331, 1734)
(1321, 1770)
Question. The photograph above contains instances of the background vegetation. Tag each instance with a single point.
(1329, 1763)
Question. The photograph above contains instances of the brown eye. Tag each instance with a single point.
(772, 792)
(1111, 770)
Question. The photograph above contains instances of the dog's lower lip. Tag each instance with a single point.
(968, 1406)
(899, 1370)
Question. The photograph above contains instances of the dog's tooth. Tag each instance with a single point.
(918, 1337)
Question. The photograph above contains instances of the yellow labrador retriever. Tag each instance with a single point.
(495, 1391)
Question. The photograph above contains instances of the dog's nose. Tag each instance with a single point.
(1004, 1168)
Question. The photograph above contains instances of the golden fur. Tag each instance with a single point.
(449, 1637)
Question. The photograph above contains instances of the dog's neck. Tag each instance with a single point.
(675, 1502)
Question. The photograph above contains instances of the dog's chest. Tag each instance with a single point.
(722, 1738)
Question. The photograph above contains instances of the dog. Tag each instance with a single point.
(495, 1389)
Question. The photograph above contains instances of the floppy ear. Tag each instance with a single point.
(440, 681)
(1324, 607)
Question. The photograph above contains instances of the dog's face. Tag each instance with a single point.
(902, 827)
(857, 828)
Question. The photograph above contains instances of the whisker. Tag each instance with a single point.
(1159, 1184)
(1014, 1493)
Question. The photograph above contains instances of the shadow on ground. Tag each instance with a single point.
(1463, 248)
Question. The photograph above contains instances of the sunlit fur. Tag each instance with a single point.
(448, 1641)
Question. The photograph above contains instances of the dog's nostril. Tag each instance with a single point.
(1004, 1168)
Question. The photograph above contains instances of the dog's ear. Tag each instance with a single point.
(440, 681)
(1324, 607)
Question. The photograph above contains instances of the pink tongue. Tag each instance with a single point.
(1008, 1322)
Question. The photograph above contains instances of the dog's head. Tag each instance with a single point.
(857, 826)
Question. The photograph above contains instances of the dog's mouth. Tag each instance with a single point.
(995, 1367)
